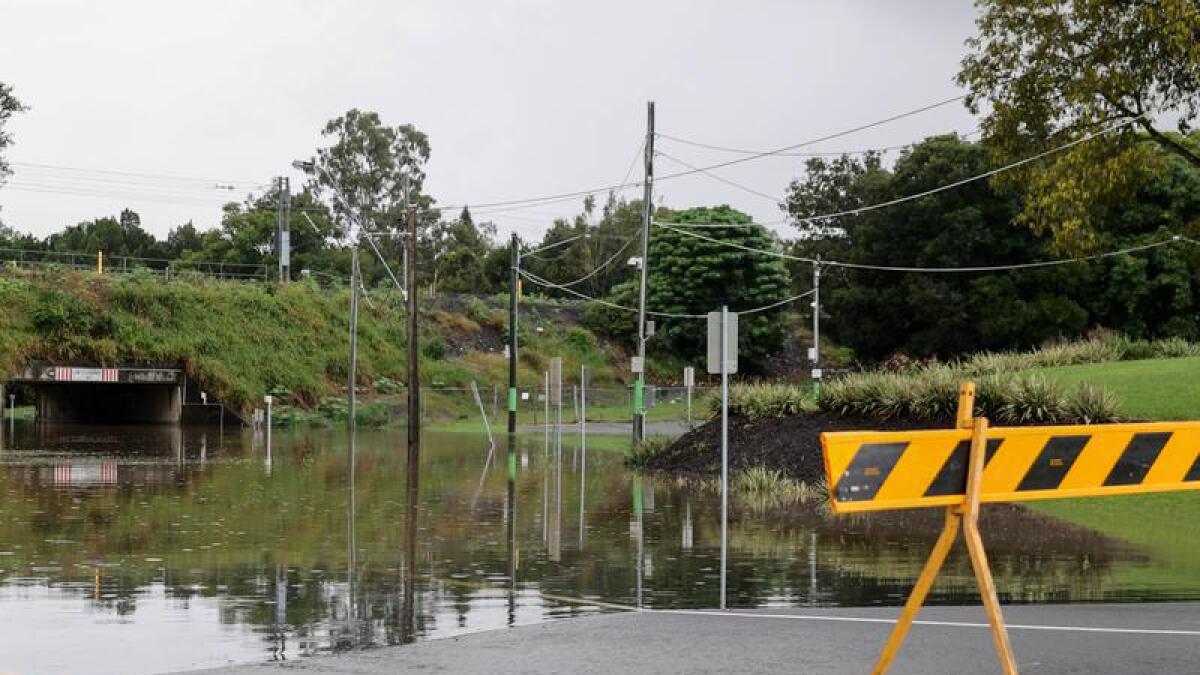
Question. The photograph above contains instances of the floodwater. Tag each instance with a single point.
(142, 550)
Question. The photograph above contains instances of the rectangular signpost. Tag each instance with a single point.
(972, 464)
(722, 358)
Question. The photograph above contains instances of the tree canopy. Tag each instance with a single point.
(1048, 73)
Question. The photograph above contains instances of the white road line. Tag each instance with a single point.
(955, 624)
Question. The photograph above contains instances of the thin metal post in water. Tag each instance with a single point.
(351, 395)
(724, 452)
(414, 380)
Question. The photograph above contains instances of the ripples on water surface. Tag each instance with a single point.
(126, 550)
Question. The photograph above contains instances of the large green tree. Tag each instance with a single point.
(1047, 73)
(877, 312)
(363, 175)
(694, 276)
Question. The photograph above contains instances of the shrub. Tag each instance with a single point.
(1090, 404)
(641, 452)
(434, 348)
(762, 401)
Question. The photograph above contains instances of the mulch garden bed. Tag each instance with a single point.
(789, 444)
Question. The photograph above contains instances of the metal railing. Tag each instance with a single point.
(167, 268)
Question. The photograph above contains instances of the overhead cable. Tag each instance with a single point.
(830, 153)
(542, 282)
(768, 153)
(722, 179)
(888, 268)
(964, 181)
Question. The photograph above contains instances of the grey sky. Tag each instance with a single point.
(520, 99)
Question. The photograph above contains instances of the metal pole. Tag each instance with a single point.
(639, 412)
(689, 406)
(583, 408)
(724, 452)
(283, 242)
(816, 355)
(513, 290)
(414, 381)
(268, 429)
(351, 394)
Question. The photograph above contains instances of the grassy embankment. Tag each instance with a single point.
(240, 341)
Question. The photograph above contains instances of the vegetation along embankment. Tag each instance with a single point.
(240, 341)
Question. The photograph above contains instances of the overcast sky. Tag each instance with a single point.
(520, 99)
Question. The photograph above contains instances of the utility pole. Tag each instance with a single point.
(351, 394)
(414, 382)
(404, 255)
(639, 411)
(283, 233)
(513, 289)
(815, 357)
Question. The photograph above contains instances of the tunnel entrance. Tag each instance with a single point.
(108, 404)
(104, 395)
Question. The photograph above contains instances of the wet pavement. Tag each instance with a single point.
(1096, 639)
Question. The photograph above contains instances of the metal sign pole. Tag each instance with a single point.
(724, 450)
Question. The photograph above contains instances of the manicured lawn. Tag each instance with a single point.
(1165, 525)
(1153, 389)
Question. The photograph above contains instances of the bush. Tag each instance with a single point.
(762, 401)
(643, 451)
(434, 348)
(932, 394)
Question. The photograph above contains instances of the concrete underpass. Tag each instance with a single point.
(91, 395)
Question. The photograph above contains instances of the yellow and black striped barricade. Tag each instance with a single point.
(960, 468)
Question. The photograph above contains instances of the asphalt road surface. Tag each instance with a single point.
(1093, 639)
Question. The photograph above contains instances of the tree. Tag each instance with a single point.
(461, 254)
(877, 312)
(1050, 72)
(9, 106)
(362, 176)
(695, 276)
(121, 236)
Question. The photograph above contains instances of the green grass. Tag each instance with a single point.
(1161, 524)
(1151, 389)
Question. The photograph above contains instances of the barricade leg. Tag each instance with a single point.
(979, 561)
(917, 598)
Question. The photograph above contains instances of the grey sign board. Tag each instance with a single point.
(714, 342)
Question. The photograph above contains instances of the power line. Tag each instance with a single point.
(888, 268)
(964, 181)
(721, 179)
(581, 193)
(831, 153)
(602, 265)
(670, 315)
(59, 167)
(839, 134)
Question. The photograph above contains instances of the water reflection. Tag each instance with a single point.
(320, 542)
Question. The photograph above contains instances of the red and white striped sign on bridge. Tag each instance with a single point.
(69, 374)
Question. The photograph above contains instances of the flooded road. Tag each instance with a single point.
(141, 550)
